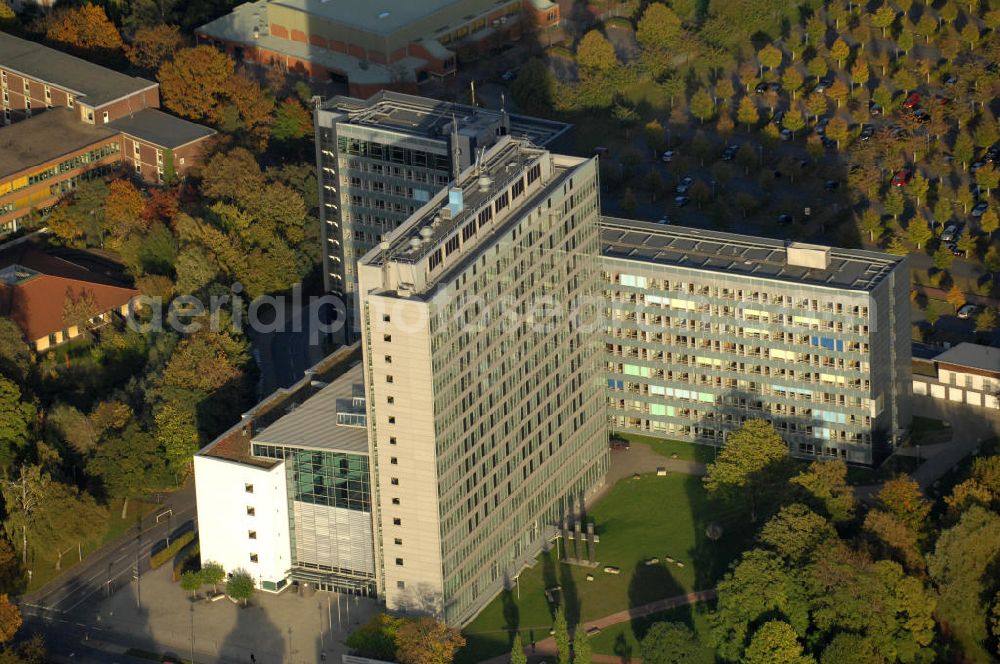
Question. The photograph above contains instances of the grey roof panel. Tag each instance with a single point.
(95, 84)
(974, 356)
(313, 423)
(44, 137)
(159, 128)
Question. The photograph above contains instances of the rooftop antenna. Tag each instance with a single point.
(504, 118)
(456, 151)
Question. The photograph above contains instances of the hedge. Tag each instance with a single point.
(167, 554)
(189, 553)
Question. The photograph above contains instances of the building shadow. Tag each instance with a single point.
(255, 635)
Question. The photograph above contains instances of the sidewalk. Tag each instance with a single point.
(547, 647)
(970, 427)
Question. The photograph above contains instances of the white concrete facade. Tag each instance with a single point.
(243, 518)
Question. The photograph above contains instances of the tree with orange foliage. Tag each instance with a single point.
(193, 84)
(427, 641)
(152, 46)
(85, 28)
(253, 108)
(123, 210)
(10, 619)
(161, 205)
(956, 297)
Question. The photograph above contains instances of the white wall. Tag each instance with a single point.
(223, 522)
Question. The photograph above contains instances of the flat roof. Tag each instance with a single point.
(422, 116)
(740, 255)
(45, 137)
(162, 129)
(501, 165)
(313, 423)
(973, 356)
(96, 85)
(381, 17)
(234, 444)
(240, 25)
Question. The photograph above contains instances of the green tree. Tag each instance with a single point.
(840, 51)
(824, 486)
(816, 32)
(595, 55)
(561, 636)
(582, 652)
(702, 106)
(991, 261)
(292, 121)
(796, 532)
(986, 321)
(817, 67)
(943, 258)
(942, 210)
(628, 203)
(240, 586)
(897, 247)
(860, 72)
(376, 638)
(926, 27)
(902, 497)
(16, 418)
(792, 80)
(931, 313)
(793, 121)
(892, 539)
(212, 573)
(775, 643)
(659, 27)
(534, 88)
(22, 499)
(837, 130)
(871, 223)
(964, 149)
(747, 114)
(177, 432)
(989, 222)
(15, 356)
(971, 34)
(817, 104)
(672, 643)
(883, 17)
(517, 655)
(894, 203)
(191, 582)
(751, 464)
(919, 232)
(128, 464)
(848, 648)
(770, 56)
(967, 244)
(960, 566)
(987, 177)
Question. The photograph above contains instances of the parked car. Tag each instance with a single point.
(968, 311)
(829, 143)
(921, 116)
(953, 248)
(976, 165)
(821, 125)
(665, 220)
(509, 75)
(761, 88)
(824, 83)
(774, 86)
(867, 131)
(831, 185)
(667, 156)
(730, 152)
(952, 230)
(874, 109)
(898, 132)
(778, 117)
(902, 177)
(784, 218)
(681, 201)
(912, 100)
(950, 80)
(980, 208)
(786, 135)
(684, 185)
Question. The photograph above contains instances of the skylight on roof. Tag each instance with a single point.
(15, 274)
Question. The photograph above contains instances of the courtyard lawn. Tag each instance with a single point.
(637, 520)
(683, 450)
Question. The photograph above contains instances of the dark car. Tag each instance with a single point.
(867, 131)
(681, 201)
(761, 88)
(774, 86)
(921, 116)
(902, 177)
(784, 218)
(898, 132)
(980, 209)
(912, 100)
(951, 232)
(829, 143)
(821, 125)
(730, 152)
(824, 83)
(950, 80)
(778, 117)
(831, 185)
(976, 165)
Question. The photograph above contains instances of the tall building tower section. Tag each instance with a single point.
(381, 159)
(487, 420)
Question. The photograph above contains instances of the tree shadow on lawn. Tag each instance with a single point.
(711, 558)
(649, 584)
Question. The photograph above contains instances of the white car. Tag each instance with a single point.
(667, 156)
(968, 311)
(684, 185)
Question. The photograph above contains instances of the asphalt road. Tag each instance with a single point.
(114, 565)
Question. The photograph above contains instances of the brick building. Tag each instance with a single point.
(398, 45)
(65, 119)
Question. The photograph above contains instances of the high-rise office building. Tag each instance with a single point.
(707, 329)
(487, 416)
(382, 158)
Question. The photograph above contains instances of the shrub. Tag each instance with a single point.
(166, 554)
